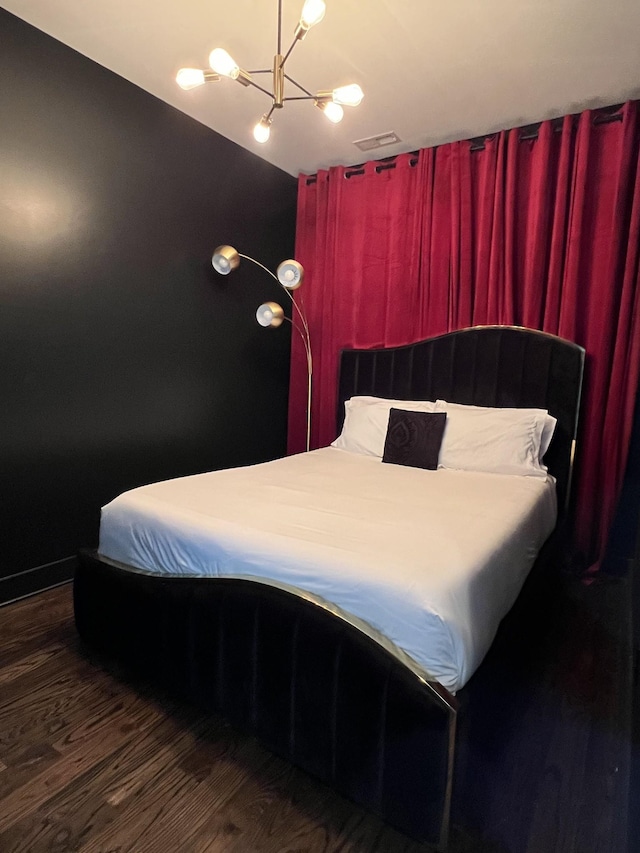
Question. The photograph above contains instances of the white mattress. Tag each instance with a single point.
(426, 562)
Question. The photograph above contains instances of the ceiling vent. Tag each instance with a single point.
(379, 141)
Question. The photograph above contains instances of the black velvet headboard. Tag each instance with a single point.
(481, 366)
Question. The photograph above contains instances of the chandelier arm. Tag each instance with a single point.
(288, 53)
(298, 86)
(261, 71)
(301, 98)
(255, 86)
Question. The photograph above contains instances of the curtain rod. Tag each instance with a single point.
(530, 131)
(527, 133)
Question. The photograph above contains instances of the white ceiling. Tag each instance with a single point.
(431, 72)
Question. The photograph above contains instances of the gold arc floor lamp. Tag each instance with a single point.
(289, 275)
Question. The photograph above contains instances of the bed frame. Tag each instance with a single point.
(309, 685)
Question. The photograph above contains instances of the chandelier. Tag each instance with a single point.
(222, 65)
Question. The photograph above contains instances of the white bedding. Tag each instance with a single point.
(427, 562)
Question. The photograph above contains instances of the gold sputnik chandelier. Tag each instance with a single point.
(222, 65)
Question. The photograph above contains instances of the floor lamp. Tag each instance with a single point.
(289, 275)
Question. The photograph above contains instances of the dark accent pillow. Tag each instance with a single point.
(414, 438)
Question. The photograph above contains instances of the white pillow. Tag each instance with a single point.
(366, 421)
(499, 441)
(545, 423)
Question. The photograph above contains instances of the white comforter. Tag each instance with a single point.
(426, 562)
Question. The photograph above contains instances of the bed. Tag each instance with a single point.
(289, 596)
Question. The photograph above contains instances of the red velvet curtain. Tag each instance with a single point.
(541, 232)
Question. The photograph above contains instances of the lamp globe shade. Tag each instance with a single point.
(225, 259)
(290, 274)
(270, 314)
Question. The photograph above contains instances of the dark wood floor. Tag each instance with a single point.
(90, 762)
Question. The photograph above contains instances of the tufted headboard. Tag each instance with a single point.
(481, 366)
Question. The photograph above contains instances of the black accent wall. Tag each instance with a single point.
(124, 358)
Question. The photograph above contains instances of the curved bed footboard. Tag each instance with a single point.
(309, 685)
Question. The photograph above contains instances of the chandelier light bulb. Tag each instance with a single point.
(333, 111)
(312, 13)
(190, 78)
(223, 64)
(349, 96)
(262, 131)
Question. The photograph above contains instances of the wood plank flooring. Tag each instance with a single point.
(91, 762)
